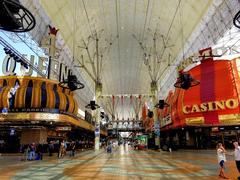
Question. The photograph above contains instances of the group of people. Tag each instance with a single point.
(221, 155)
(32, 152)
(63, 149)
(109, 146)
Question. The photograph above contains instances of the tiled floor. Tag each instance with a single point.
(123, 163)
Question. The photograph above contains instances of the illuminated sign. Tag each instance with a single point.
(238, 66)
(215, 129)
(59, 71)
(12, 132)
(211, 106)
(18, 110)
(63, 128)
(9, 66)
(166, 120)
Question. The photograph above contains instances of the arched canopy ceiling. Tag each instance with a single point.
(174, 24)
(126, 23)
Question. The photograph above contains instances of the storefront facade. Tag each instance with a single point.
(38, 110)
(208, 113)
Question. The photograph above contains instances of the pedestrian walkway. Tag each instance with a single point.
(123, 163)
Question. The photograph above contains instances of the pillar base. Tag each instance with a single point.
(157, 142)
(97, 144)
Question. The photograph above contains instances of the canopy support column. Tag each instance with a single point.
(98, 92)
(154, 90)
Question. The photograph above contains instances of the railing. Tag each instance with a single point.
(5, 44)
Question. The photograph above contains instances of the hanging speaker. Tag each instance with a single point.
(102, 115)
(185, 81)
(92, 105)
(150, 114)
(71, 83)
(14, 17)
(161, 104)
(236, 20)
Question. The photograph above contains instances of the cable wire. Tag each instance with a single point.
(175, 13)
(181, 23)
(87, 17)
(74, 28)
(117, 22)
(145, 21)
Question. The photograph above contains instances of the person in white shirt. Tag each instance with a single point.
(237, 155)
(221, 159)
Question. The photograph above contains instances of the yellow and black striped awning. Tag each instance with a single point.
(34, 92)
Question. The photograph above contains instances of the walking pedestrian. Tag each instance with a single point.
(109, 147)
(26, 152)
(72, 149)
(50, 148)
(221, 159)
(62, 150)
(237, 156)
(32, 152)
(39, 151)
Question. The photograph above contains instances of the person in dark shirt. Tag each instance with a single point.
(50, 148)
(72, 148)
(39, 151)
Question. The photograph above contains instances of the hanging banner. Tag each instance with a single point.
(166, 120)
(97, 129)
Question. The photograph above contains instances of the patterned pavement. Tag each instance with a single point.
(124, 163)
